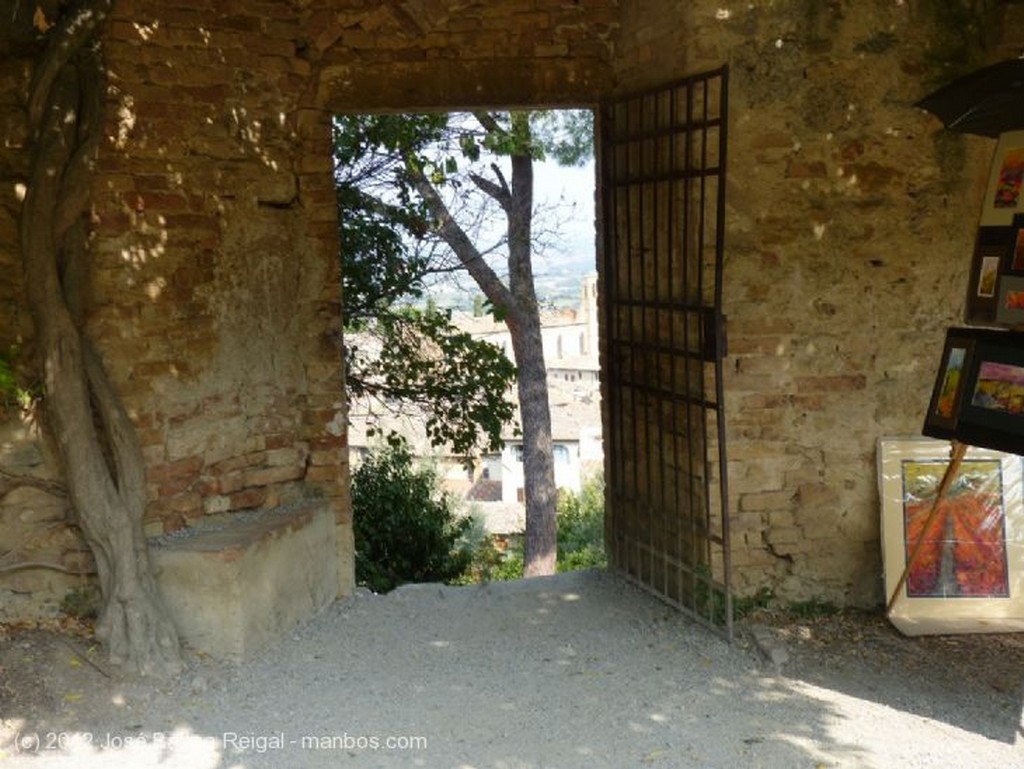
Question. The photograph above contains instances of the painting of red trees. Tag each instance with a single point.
(964, 551)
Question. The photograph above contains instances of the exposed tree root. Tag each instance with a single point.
(101, 458)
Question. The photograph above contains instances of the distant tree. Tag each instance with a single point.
(448, 176)
(397, 354)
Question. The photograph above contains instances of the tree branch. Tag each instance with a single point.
(498, 190)
(11, 481)
(490, 123)
(44, 565)
(459, 242)
(73, 31)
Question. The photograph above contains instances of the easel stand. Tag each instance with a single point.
(957, 452)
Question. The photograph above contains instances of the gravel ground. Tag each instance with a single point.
(578, 670)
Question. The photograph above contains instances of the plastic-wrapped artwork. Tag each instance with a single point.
(968, 574)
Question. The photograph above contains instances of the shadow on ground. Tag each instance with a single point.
(569, 671)
(972, 682)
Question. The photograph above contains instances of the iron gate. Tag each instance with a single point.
(663, 209)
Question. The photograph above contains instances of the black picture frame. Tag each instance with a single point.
(991, 260)
(1014, 264)
(992, 405)
(978, 396)
(1010, 308)
(948, 393)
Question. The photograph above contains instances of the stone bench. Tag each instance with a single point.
(235, 584)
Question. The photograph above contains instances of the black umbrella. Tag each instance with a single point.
(988, 102)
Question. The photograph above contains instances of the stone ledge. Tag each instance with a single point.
(235, 585)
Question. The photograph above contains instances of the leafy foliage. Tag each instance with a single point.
(405, 529)
(14, 395)
(580, 539)
(581, 527)
(403, 356)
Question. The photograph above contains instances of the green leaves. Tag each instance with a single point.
(405, 528)
(390, 251)
(461, 384)
(14, 394)
(409, 357)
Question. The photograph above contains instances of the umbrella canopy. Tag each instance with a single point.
(987, 102)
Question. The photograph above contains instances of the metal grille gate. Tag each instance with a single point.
(663, 208)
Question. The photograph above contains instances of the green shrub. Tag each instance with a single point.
(580, 539)
(83, 603)
(581, 527)
(496, 559)
(405, 527)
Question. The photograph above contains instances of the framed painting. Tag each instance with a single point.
(1010, 310)
(987, 267)
(1004, 196)
(992, 406)
(968, 576)
(947, 395)
(1015, 258)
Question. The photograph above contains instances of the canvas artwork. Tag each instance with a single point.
(988, 269)
(946, 398)
(1011, 175)
(968, 575)
(988, 276)
(1004, 195)
(999, 387)
(1010, 306)
(964, 551)
(978, 396)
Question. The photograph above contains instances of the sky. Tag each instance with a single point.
(553, 183)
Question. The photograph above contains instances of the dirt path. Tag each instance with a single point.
(579, 670)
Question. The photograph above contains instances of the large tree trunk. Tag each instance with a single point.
(96, 441)
(541, 546)
(519, 301)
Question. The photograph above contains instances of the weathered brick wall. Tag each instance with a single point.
(214, 293)
(215, 272)
(849, 232)
(214, 290)
(438, 55)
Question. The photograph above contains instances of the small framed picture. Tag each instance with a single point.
(968, 574)
(992, 405)
(1010, 308)
(947, 395)
(987, 268)
(988, 275)
(1004, 196)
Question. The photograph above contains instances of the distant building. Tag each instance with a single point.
(570, 335)
(494, 482)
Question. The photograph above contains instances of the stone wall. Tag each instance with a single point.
(214, 293)
(438, 55)
(215, 299)
(850, 227)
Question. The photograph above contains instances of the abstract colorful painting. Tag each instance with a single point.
(1011, 176)
(964, 550)
(968, 575)
(946, 404)
(1000, 387)
(1004, 193)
